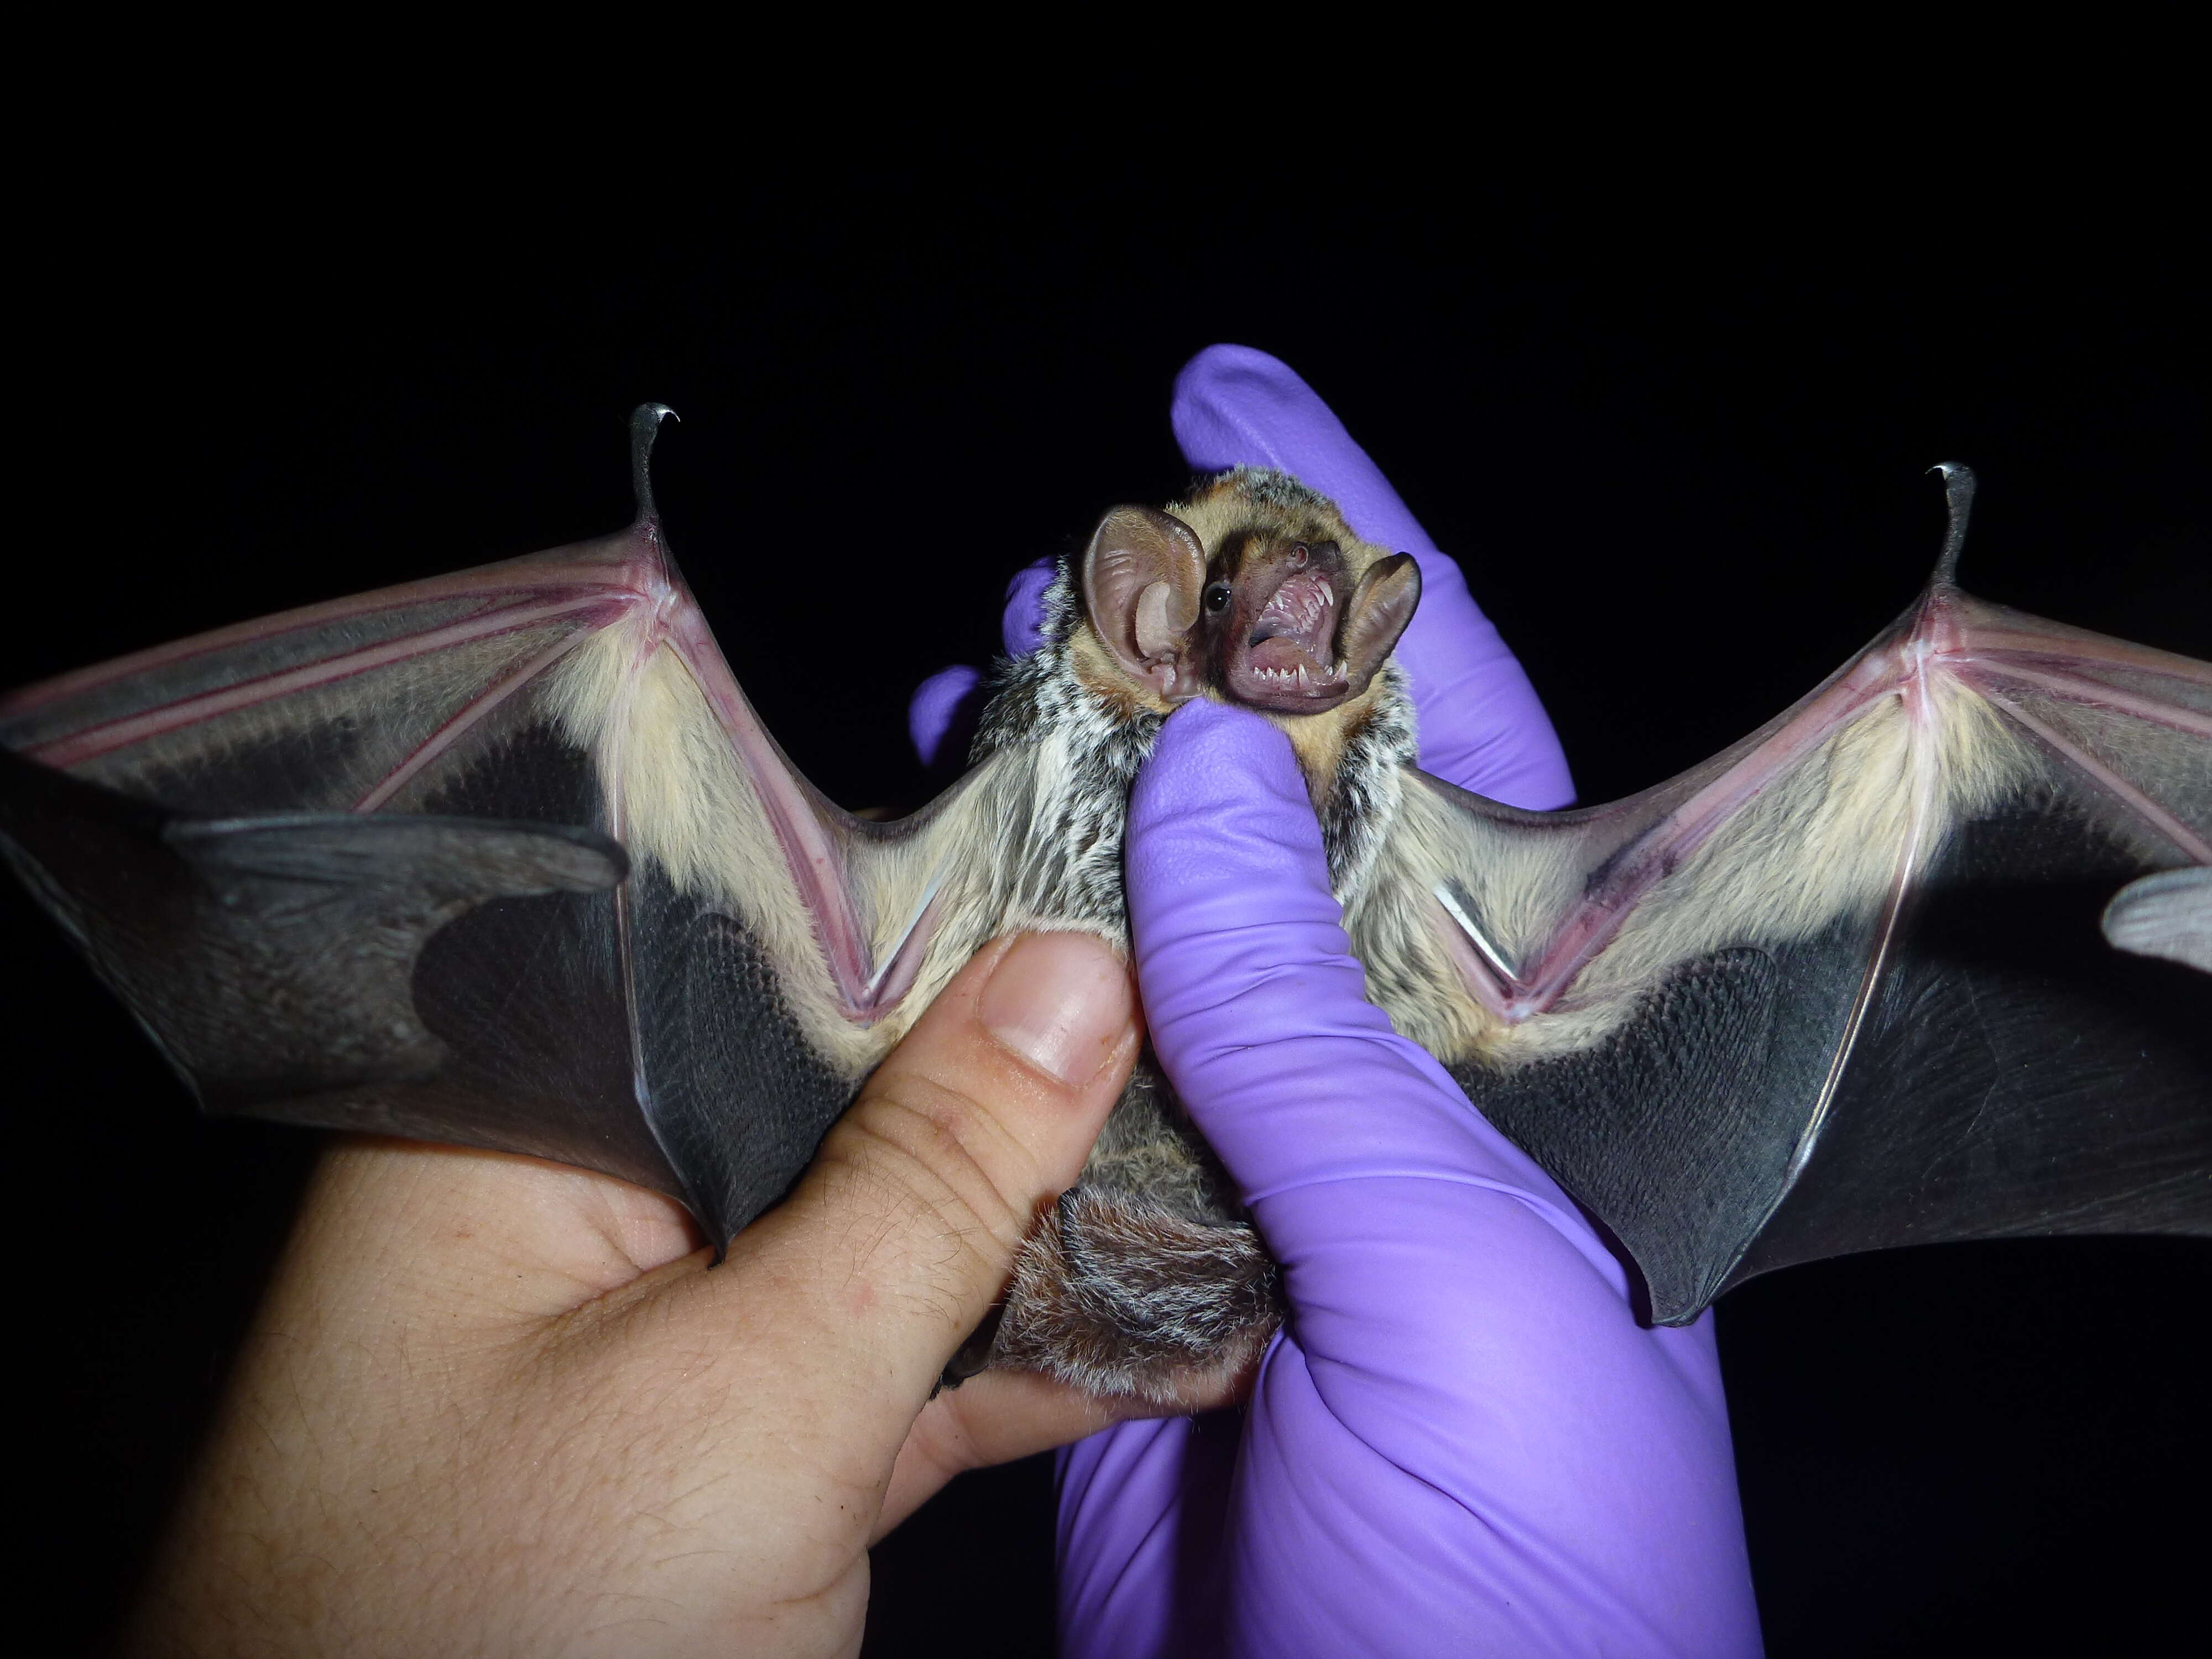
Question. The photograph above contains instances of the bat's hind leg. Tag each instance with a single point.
(1126, 1298)
(1142, 1280)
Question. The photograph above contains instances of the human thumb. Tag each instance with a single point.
(911, 1214)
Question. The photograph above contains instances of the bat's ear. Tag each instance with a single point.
(1377, 614)
(1141, 577)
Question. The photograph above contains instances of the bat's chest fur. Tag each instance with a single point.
(1146, 1278)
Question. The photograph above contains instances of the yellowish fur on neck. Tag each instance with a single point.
(1225, 507)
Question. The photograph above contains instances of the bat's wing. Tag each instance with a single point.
(1842, 987)
(363, 864)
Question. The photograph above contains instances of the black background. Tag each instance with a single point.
(1676, 433)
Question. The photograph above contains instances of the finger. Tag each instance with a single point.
(994, 1419)
(1141, 1513)
(941, 706)
(940, 718)
(1022, 624)
(494, 1241)
(1255, 1004)
(998, 1415)
(903, 1232)
(1482, 727)
(2168, 914)
(1432, 1268)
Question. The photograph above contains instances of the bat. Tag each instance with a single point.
(505, 857)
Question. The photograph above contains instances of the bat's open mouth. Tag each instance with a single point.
(1292, 648)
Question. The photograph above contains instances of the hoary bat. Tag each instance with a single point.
(505, 857)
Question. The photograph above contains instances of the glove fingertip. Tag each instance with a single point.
(1209, 754)
(1237, 406)
(1217, 395)
(941, 705)
(1021, 625)
(1222, 834)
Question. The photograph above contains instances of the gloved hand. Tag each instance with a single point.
(1463, 1441)
(1481, 725)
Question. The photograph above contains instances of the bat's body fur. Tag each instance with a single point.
(1682, 979)
(1148, 1279)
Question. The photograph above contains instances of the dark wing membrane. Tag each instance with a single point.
(1842, 987)
(695, 1027)
(274, 961)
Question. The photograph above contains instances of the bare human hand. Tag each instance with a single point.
(497, 1406)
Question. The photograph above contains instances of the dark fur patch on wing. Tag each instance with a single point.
(1675, 1120)
(740, 1097)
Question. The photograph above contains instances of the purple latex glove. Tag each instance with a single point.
(1481, 725)
(1463, 1442)
(944, 704)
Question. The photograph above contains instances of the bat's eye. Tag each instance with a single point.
(1217, 597)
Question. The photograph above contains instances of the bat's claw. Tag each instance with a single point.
(1959, 493)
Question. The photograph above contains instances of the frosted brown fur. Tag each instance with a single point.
(1888, 758)
(1121, 1297)
(1148, 1281)
(1497, 939)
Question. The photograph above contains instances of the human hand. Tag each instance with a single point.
(496, 1405)
(1462, 1440)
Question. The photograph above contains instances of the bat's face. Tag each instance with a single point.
(1256, 591)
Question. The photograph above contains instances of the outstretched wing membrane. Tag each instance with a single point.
(1842, 986)
(705, 1018)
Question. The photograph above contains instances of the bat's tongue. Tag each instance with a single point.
(1296, 627)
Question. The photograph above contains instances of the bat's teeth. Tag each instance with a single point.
(1299, 603)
